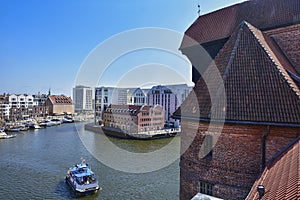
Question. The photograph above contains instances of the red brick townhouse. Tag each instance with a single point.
(255, 46)
(134, 118)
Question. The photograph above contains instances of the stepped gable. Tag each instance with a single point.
(263, 14)
(281, 178)
(257, 86)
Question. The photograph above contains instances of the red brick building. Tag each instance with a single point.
(133, 118)
(26, 113)
(59, 104)
(255, 48)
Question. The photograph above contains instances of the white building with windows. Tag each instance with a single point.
(170, 97)
(161, 95)
(181, 91)
(4, 111)
(83, 98)
(39, 99)
(21, 101)
(103, 98)
(138, 97)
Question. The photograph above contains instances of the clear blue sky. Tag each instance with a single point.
(44, 42)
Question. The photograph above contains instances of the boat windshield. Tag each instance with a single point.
(84, 180)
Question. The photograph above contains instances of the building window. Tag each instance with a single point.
(208, 145)
(206, 188)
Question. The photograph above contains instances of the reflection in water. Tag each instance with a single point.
(133, 156)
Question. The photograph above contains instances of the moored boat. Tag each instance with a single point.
(82, 179)
(24, 128)
(12, 129)
(43, 124)
(36, 126)
(46, 123)
(67, 120)
(33, 125)
(56, 121)
(3, 135)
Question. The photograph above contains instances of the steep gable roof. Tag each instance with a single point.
(264, 14)
(281, 178)
(257, 86)
(138, 90)
(60, 100)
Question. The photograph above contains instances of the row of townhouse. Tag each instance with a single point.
(17, 107)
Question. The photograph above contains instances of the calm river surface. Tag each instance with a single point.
(34, 164)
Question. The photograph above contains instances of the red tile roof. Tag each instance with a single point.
(55, 99)
(257, 86)
(264, 14)
(281, 178)
(123, 109)
(288, 40)
(129, 109)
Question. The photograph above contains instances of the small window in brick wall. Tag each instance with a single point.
(206, 188)
(208, 145)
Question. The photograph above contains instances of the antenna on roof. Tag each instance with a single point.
(199, 10)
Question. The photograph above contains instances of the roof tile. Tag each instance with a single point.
(60, 99)
(264, 14)
(257, 86)
(288, 40)
(281, 178)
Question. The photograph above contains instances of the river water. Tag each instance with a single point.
(34, 164)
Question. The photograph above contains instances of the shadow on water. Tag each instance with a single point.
(63, 190)
(140, 146)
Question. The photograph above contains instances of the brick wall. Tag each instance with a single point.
(60, 109)
(125, 122)
(236, 158)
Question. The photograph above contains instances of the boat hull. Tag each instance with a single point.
(7, 136)
(77, 191)
(120, 134)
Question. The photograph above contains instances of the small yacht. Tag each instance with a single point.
(3, 135)
(32, 125)
(67, 120)
(82, 179)
(56, 121)
(46, 123)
